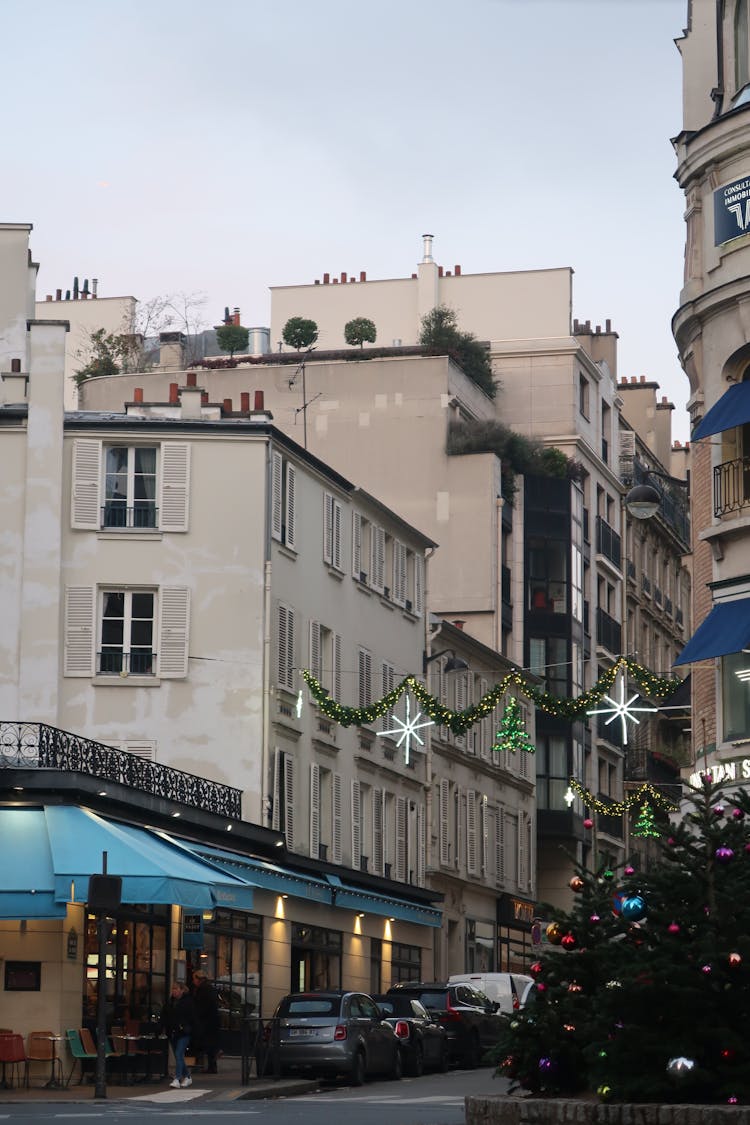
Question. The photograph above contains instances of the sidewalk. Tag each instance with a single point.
(224, 1086)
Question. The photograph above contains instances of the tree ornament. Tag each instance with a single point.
(737, 814)
(680, 1067)
(547, 1065)
(634, 908)
(604, 1091)
(732, 1099)
(707, 970)
(569, 941)
(723, 855)
(645, 826)
(629, 870)
(588, 822)
(728, 1054)
(541, 986)
(747, 849)
(673, 928)
(735, 960)
(608, 874)
(569, 1027)
(535, 968)
(512, 734)
(574, 986)
(576, 884)
(718, 810)
(594, 919)
(617, 900)
(407, 730)
(554, 933)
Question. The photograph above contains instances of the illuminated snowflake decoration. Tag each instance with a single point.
(408, 730)
(621, 709)
(298, 705)
(569, 797)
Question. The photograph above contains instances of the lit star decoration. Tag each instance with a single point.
(569, 797)
(299, 704)
(408, 729)
(621, 709)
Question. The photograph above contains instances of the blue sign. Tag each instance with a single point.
(192, 931)
(732, 211)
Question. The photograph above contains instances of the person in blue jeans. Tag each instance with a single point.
(180, 1024)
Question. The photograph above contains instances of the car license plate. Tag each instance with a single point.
(301, 1032)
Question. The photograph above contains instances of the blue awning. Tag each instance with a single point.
(65, 846)
(724, 631)
(357, 898)
(732, 409)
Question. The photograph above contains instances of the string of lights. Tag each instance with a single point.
(646, 792)
(651, 685)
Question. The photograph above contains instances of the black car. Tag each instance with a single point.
(424, 1042)
(471, 1021)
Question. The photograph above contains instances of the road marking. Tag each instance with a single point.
(387, 1099)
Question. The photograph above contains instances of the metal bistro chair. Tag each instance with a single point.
(89, 1044)
(78, 1054)
(41, 1048)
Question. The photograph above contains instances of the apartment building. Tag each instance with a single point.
(712, 335)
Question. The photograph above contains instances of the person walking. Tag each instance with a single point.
(207, 1009)
(180, 1023)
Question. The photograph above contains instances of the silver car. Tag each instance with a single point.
(333, 1033)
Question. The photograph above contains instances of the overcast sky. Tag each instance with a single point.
(224, 147)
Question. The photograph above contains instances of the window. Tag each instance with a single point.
(365, 678)
(282, 819)
(388, 683)
(127, 633)
(735, 678)
(583, 395)
(332, 516)
(130, 487)
(377, 558)
(283, 487)
(553, 773)
(741, 71)
(406, 962)
(325, 658)
(399, 586)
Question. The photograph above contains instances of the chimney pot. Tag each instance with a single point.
(334, 281)
(447, 273)
(227, 406)
(326, 278)
(414, 277)
(190, 379)
(245, 402)
(457, 271)
(343, 278)
(138, 394)
(607, 325)
(427, 247)
(598, 329)
(15, 366)
(58, 294)
(236, 318)
(643, 378)
(94, 286)
(317, 281)
(362, 275)
(173, 394)
(48, 297)
(440, 271)
(258, 401)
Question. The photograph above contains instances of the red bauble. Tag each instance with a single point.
(737, 814)
(535, 968)
(735, 960)
(673, 928)
(569, 941)
(576, 883)
(588, 822)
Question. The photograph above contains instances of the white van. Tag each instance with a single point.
(507, 990)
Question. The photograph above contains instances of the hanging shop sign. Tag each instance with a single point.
(732, 211)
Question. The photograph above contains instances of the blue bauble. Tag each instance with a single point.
(633, 908)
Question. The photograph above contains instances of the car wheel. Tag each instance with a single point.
(473, 1052)
(358, 1069)
(398, 1066)
(445, 1058)
(416, 1070)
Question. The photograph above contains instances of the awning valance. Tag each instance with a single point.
(65, 845)
(732, 409)
(724, 631)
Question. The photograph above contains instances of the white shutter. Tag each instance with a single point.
(529, 852)
(365, 677)
(356, 544)
(276, 791)
(289, 801)
(277, 469)
(356, 825)
(419, 585)
(85, 508)
(483, 835)
(337, 525)
(444, 794)
(78, 659)
(399, 573)
(316, 664)
(377, 562)
(458, 799)
(471, 832)
(522, 855)
(174, 492)
(421, 845)
(290, 514)
(336, 669)
(337, 818)
(327, 528)
(377, 831)
(462, 693)
(485, 725)
(401, 839)
(388, 683)
(314, 810)
(500, 845)
(285, 642)
(174, 611)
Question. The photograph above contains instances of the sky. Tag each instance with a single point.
(183, 146)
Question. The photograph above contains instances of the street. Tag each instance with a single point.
(431, 1100)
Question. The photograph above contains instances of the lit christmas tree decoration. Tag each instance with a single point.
(512, 734)
(645, 826)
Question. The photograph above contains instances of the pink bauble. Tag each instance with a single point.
(673, 928)
(588, 822)
(629, 870)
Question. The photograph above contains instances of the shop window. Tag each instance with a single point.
(406, 962)
(316, 958)
(735, 675)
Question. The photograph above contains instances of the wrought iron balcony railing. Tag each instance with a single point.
(116, 513)
(608, 542)
(732, 486)
(38, 746)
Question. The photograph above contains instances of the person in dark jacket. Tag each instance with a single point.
(180, 1022)
(207, 1009)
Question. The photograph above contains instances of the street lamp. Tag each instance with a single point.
(644, 500)
(455, 664)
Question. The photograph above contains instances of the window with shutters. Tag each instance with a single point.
(126, 640)
(413, 598)
(325, 658)
(458, 818)
(356, 809)
(512, 852)
(315, 810)
(399, 589)
(377, 832)
(523, 877)
(444, 796)
(361, 549)
(472, 866)
(364, 663)
(462, 702)
(282, 819)
(283, 488)
(421, 845)
(402, 830)
(388, 683)
(483, 835)
(500, 846)
(285, 664)
(332, 531)
(130, 487)
(377, 559)
(336, 833)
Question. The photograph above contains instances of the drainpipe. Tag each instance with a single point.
(428, 808)
(267, 607)
(499, 505)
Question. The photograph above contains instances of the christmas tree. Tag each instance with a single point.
(645, 826)
(642, 993)
(512, 734)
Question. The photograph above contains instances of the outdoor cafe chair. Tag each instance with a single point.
(78, 1053)
(42, 1047)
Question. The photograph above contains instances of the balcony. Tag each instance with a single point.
(646, 585)
(630, 570)
(608, 632)
(657, 596)
(668, 606)
(116, 514)
(732, 487)
(38, 746)
(608, 542)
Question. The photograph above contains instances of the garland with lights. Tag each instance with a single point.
(646, 793)
(655, 687)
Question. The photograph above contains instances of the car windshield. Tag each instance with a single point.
(433, 999)
(309, 1006)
